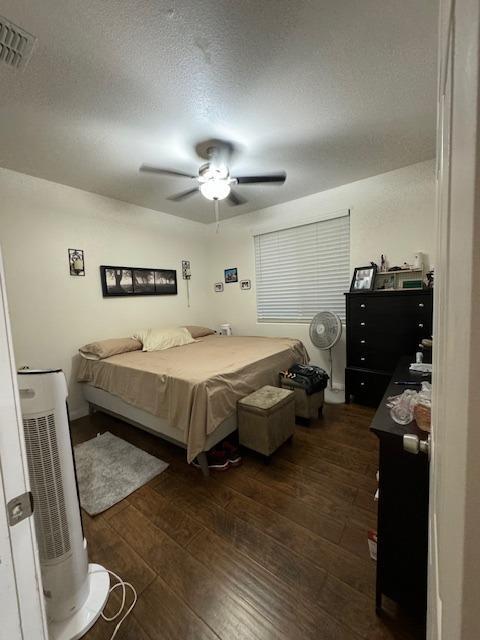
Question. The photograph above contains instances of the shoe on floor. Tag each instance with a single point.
(217, 460)
(232, 453)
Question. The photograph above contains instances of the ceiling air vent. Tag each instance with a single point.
(16, 45)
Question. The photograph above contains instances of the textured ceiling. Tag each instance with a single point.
(330, 91)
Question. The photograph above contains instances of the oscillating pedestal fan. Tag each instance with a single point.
(325, 332)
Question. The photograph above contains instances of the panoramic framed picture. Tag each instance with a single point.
(231, 275)
(218, 287)
(363, 278)
(245, 285)
(137, 281)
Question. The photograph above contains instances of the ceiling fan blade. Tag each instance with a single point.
(182, 195)
(165, 172)
(276, 178)
(234, 199)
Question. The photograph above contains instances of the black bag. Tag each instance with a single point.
(307, 377)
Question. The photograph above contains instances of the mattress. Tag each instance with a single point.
(196, 386)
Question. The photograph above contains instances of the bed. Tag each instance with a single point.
(188, 394)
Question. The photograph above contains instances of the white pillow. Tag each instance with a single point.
(160, 339)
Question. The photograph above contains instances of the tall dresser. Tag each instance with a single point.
(382, 326)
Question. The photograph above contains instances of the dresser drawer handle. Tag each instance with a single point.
(362, 324)
(363, 341)
(362, 306)
(363, 358)
(362, 384)
(420, 324)
(421, 305)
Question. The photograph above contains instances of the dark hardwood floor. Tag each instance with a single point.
(264, 552)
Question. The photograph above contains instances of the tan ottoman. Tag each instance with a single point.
(266, 419)
(307, 407)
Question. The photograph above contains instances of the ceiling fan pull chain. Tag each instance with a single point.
(217, 218)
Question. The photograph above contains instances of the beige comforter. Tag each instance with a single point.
(196, 386)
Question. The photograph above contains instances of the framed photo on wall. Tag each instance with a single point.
(76, 260)
(245, 285)
(231, 275)
(137, 281)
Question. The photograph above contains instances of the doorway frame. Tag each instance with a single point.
(22, 609)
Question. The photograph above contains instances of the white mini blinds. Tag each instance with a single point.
(303, 270)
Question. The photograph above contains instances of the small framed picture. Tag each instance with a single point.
(76, 261)
(231, 275)
(218, 287)
(363, 279)
(245, 285)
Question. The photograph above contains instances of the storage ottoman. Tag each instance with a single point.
(266, 419)
(306, 406)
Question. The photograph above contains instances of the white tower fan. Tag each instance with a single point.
(75, 592)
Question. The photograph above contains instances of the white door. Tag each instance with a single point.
(454, 562)
(22, 615)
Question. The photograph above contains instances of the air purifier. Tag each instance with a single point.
(75, 592)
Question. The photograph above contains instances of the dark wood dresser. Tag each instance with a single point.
(402, 548)
(381, 327)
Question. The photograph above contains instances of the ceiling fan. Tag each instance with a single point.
(214, 181)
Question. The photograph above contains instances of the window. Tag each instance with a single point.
(303, 270)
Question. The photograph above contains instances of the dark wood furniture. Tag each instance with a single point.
(381, 327)
(402, 507)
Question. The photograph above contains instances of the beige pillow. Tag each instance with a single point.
(160, 339)
(199, 332)
(106, 348)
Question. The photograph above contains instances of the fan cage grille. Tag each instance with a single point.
(43, 459)
(332, 329)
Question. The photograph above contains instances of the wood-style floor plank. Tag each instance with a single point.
(228, 615)
(309, 460)
(301, 575)
(272, 597)
(293, 510)
(165, 616)
(106, 547)
(259, 552)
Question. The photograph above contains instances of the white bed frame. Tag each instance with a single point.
(98, 399)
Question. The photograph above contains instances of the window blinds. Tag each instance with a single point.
(303, 270)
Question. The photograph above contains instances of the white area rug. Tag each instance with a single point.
(110, 469)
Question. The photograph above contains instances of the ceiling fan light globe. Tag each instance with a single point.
(215, 189)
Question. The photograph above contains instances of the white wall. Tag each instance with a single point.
(53, 313)
(391, 213)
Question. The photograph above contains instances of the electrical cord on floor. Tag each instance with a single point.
(123, 585)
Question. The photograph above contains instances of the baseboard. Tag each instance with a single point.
(79, 412)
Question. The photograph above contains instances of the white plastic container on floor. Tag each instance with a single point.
(225, 329)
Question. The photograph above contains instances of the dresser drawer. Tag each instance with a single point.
(363, 307)
(365, 387)
(373, 354)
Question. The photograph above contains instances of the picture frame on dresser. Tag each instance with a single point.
(363, 279)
